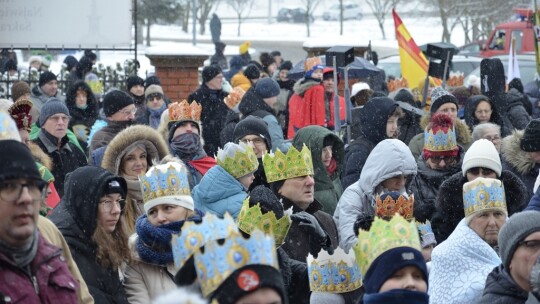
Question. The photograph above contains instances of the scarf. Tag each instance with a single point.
(332, 167)
(402, 296)
(22, 257)
(203, 164)
(155, 116)
(154, 242)
(187, 146)
(134, 187)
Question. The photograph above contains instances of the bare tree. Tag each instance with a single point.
(203, 11)
(310, 6)
(242, 9)
(381, 8)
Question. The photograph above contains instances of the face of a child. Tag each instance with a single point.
(409, 278)
(396, 183)
(317, 74)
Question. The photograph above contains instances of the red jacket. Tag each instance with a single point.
(307, 107)
(51, 281)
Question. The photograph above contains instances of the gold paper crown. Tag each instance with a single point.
(396, 84)
(456, 79)
(388, 207)
(279, 166)
(234, 97)
(440, 141)
(185, 111)
(311, 62)
(336, 273)
(383, 236)
(251, 218)
(169, 179)
(483, 193)
(241, 164)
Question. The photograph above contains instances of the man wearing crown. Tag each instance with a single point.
(461, 264)
(291, 178)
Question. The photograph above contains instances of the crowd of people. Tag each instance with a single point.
(243, 193)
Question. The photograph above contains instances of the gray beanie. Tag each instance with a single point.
(51, 107)
(267, 87)
(516, 229)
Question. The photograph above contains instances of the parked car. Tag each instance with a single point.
(294, 15)
(350, 11)
(527, 67)
(473, 48)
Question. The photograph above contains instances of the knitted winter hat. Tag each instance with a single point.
(267, 87)
(51, 107)
(10, 65)
(70, 62)
(530, 142)
(16, 161)
(359, 86)
(440, 137)
(440, 96)
(115, 185)
(46, 77)
(151, 80)
(209, 72)
(252, 72)
(134, 80)
(252, 125)
(267, 200)
(115, 101)
(405, 95)
(153, 89)
(8, 128)
(18, 89)
(244, 47)
(286, 65)
(482, 153)
(516, 229)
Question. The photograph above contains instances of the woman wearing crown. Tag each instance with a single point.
(167, 205)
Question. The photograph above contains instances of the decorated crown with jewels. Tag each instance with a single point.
(195, 235)
(383, 236)
(252, 218)
(20, 112)
(243, 161)
(216, 262)
(335, 273)
(166, 180)
(388, 207)
(483, 193)
(441, 136)
(183, 110)
(425, 230)
(279, 166)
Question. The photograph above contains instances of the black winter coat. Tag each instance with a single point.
(76, 217)
(515, 111)
(82, 120)
(425, 187)
(213, 113)
(227, 134)
(501, 289)
(472, 121)
(295, 278)
(449, 202)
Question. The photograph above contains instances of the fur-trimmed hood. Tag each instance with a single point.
(116, 149)
(463, 132)
(512, 153)
(302, 85)
(40, 156)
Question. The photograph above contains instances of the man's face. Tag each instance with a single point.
(258, 144)
(216, 83)
(137, 90)
(328, 83)
(524, 259)
(449, 109)
(57, 125)
(300, 190)
(155, 101)
(18, 214)
(125, 114)
(487, 225)
(186, 127)
(50, 88)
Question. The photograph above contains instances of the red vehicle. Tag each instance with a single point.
(500, 39)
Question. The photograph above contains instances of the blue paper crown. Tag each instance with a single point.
(169, 179)
(217, 262)
(195, 235)
(428, 237)
(440, 141)
(483, 193)
(335, 273)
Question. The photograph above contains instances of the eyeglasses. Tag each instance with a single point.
(154, 97)
(531, 244)
(256, 141)
(476, 171)
(12, 191)
(494, 138)
(129, 112)
(108, 204)
(59, 118)
(449, 160)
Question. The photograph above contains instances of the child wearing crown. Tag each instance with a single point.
(224, 187)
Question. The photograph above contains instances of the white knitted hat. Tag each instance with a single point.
(482, 153)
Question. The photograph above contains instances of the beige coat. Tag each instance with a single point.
(143, 282)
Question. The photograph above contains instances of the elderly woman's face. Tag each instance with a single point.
(494, 137)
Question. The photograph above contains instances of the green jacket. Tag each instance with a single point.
(34, 132)
(328, 188)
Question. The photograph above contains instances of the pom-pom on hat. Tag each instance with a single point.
(267, 88)
(440, 96)
(244, 47)
(440, 137)
(482, 153)
(530, 142)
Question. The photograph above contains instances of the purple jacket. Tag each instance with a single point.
(51, 280)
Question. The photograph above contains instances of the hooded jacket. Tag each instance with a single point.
(373, 118)
(519, 162)
(76, 217)
(463, 134)
(219, 192)
(360, 196)
(472, 121)
(82, 120)
(449, 203)
(501, 289)
(516, 112)
(328, 188)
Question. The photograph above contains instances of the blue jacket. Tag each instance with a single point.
(219, 192)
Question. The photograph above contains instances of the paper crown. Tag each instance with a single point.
(195, 235)
(311, 62)
(388, 207)
(383, 236)
(183, 110)
(8, 128)
(234, 97)
(217, 261)
(425, 230)
(455, 79)
(483, 193)
(438, 140)
(279, 166)
(396, 84)
(252, 218)
(20, 112)
(167, 180)
(241, 164)
(335, 273)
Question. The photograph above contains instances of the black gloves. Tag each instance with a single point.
(317, 236)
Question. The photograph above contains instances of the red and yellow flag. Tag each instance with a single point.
(414, 65)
